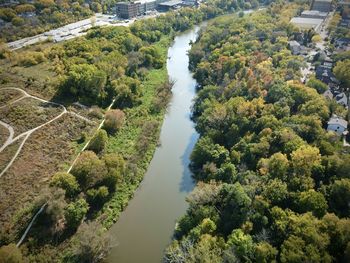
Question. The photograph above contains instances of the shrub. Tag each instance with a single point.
(114, 120)
(97, 197)
(75, 212)
(99, 141)
(89, 170)
(67, 182)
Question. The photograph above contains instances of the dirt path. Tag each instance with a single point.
(9, 138)
(26, 134)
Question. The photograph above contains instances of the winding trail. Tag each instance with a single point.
(26, 134)
(11, 133)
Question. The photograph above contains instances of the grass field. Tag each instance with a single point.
(7, 95)
(28, 113)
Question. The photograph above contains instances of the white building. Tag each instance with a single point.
(337, 125)
(306, 23)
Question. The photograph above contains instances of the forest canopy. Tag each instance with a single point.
(271, 184)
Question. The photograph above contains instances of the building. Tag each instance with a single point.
(341, 42)
(168, 5)
(190, 2)
(322, 5)
(337, 125)
(313, 14)
(326, 75)
(146, 6)
(295, 47)
(341, 99)
(306, 23)
(127, 10)
(328, 94)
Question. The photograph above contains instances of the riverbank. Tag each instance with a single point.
(145, 227)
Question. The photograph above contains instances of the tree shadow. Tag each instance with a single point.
(187, 183)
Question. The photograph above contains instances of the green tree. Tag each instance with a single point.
(342, 72)
(96, 7)
(99, 141)
(206, 151)
(242, 244)
(67, 182)
(265, 253)
(278, 166)
(75, 213)
(304, 159)
(116, 167)
(89, 170)
(234, 206)
(86, 82)
(339, 196)
(276, 192)
(312, 201)
(97, 197)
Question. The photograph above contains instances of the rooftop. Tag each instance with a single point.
(145, 1)
(307, 23)
(171, 3)
(294, 43)
(314, 13)
(305, 20)
(335, 120)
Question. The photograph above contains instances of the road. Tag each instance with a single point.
(74, 30)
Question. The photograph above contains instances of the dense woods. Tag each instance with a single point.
(273, 185)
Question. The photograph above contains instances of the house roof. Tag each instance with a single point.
(328, 94)
(335, 120)
(293, 43)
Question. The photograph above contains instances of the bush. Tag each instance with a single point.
(99, 141)
(89, 170)
(30, 58)
(10, 254)
(93, 244)
(75, 213)
(67, 182)
(97, 197)
(114, 120)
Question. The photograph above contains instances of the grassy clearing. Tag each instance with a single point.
(28, 113)
(6, 96)
(38, 80)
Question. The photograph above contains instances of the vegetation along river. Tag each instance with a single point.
(145, 228)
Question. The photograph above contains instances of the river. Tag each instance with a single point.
(146, 226)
